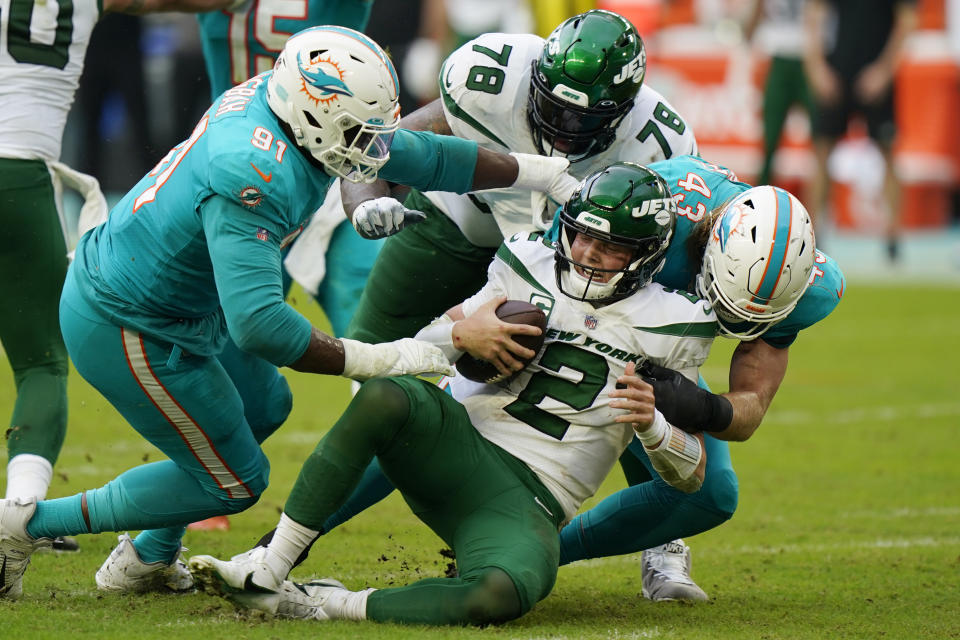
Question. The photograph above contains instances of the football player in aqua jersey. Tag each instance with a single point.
(243, 41)
(762, 248)
(191, 256)
(496, 473)
(42, 51)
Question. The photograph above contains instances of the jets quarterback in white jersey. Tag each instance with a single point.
(578, 94)
(555, 415)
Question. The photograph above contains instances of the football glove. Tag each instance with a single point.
(362, 361)
(546, 174)
(383, 217)
(683, 403)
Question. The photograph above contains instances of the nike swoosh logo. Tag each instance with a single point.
(249, 585)
(446, 78)
(266, 177)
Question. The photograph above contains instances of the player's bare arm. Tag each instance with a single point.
(428, 118)
(484, 336)
(756, 371)
(153, 6)
(324, 355)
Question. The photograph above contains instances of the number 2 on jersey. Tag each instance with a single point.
(580, 395)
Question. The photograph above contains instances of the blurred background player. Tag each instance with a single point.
(778, 25)
(191, 256)
(42, 61)
(496, 475)
(853, 49)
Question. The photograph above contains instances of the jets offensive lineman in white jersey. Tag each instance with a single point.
(488, 102)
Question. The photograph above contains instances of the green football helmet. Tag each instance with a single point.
(584, 83)
(623, 204)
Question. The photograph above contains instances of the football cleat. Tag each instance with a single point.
(665, 572)
(292, 600)
(248, 571)
(125, 572)
(16, 545)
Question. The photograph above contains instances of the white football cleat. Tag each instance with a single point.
(292, 600)
(665, 572)
(247, 571)
(125, 572)
(16, 545)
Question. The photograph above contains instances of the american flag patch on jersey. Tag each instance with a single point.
(262, 234)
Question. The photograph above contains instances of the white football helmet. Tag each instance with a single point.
(337, 90)
(757, 261)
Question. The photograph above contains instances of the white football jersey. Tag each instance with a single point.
(555, 415)
(484, 87)
(42, 46)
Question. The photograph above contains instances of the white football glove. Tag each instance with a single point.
(403, 357)
(547, 174)
(383, 217)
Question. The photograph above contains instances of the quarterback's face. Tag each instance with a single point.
(608, 256)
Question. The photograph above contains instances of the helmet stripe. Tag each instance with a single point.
(777, 259)
(367, 42)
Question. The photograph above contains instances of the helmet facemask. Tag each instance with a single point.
(563, 128)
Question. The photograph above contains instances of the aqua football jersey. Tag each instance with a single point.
(240, 44)
(240, 190)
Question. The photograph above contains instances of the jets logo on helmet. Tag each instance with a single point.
(317, 76)
(633, 70)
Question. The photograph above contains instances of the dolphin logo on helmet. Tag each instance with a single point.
(320, 79)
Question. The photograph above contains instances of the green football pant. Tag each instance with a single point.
(419, 274)
(786, 85)
(498, 518)
(33, 264)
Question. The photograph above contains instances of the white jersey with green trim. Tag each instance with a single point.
(42, 46)
(555, 415)
(484, 87)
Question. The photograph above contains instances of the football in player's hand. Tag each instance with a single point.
(514, 312)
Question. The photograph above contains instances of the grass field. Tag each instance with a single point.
(848, 525)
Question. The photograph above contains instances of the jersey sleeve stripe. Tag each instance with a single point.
(460, 114)
(512, 261)
(684, 329)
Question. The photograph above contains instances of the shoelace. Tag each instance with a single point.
(670, 563)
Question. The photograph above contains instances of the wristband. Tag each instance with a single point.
(721, 413)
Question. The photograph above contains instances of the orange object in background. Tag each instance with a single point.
(216, 523)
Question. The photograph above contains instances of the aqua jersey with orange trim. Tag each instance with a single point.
(148, 266)
(246, 41)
